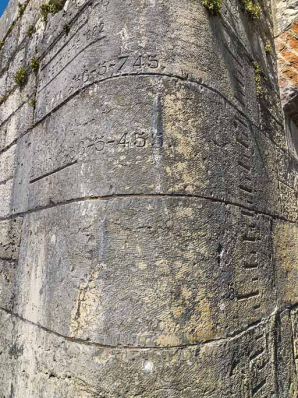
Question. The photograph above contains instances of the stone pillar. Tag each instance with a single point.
(144, 197)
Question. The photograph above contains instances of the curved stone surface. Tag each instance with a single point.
(148, 203)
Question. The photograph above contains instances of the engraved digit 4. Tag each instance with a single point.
(138, 62)
(123, 140)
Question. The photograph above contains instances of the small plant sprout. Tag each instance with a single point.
(34, 64)
(22, 8)
(31, 30)
(258, 78)
(213, 6)
(32, 102)
(21, 77)
(66, 28)
(268, 48)
(49, 8)
(252, 9)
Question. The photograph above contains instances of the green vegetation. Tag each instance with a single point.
(21, 77)
(34, 64)
(49, 8)
(31, 30)
(66, 28)
(251, 9)
(268, 48)
(258, 78)
(3, 98)
(213, 6)
(32, 102)
(22, 8)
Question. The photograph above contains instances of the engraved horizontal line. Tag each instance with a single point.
(240, 100)
(248, 157)
(246, 189)
(240, 73)
(248, 214)
(236, 58)
(62, 69)
(256, 389)
(248, 168)
(240, 82)
(53, 172)
(250, 266)
(257, 307)
(243, 124)
(263, 365)
(255, 279)
(248, 296)
(58, 38)
(242, 143)
(249, 238)
(3, 182)
(9, 260)
(256, 354)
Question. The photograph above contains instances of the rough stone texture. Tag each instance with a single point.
(287, 50)
(285, 13)
(148, 205)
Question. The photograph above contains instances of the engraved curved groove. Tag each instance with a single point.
(230, 337)
(163, 75)
(147, 196)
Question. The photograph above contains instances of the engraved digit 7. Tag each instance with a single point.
(124, 59)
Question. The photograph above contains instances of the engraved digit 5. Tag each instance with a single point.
(153, 62)
(102, 69)
(99, 145)
(140, 140)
